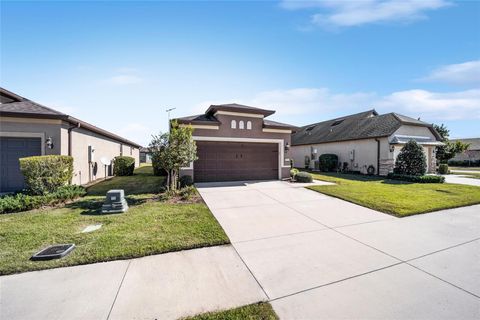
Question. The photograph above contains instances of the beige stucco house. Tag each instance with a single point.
(28, 129)
(235, 142)
(363, 140)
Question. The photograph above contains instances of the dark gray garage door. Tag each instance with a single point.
(11, 149)
(232, 161)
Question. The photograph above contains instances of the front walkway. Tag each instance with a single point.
(320, 257)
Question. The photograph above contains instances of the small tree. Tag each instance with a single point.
(449, 149)
(173, 150)
(411, 160)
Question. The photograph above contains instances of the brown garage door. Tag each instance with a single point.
(232, 161)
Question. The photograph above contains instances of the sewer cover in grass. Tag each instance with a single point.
(91, 228)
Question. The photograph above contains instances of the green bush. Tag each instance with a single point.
(417, 179)
(23, 202)
(186, 181)
(411, 160)
(187, 193)
(327, 162)
(464, 163)
(293, 172)
(123, 166)
(44, 174)
(157, 168)
(443, 168)
(303, 177)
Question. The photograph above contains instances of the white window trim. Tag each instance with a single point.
(40, 135)
(239, 114)
(233, 124)
(276, 130)
(241, 125)
(280, 142)
(249, 125)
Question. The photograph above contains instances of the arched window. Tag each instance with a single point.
(249, 125)
(234, 124)
(241, 125)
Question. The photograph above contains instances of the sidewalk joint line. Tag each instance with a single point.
(118, 290)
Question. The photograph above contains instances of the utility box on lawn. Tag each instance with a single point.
(115, 202)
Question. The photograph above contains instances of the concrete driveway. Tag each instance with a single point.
(317, 257)
(460, 178)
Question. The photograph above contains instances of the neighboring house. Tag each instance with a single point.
(364, 139)
(145, 155)
(30, 129)
(472, 153)
(236, 142)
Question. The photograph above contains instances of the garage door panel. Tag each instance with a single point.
(230, 161)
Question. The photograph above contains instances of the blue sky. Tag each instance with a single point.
(119, 65)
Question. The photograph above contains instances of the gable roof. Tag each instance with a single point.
(474, 143)
(363, 125)
(25, 108)
(235, 107)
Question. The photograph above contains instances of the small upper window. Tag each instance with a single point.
(234, 124)
(241, 125)
(249, 125)
(337, 122)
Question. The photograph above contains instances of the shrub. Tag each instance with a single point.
(23, 202)
(303, 177)
(44, 174)
(186, 181)
(123, 166)
(157, 169)
(411, 160)
(417, 179)
(328, 162)
(293, 172)
(187, 193)
(443, 168)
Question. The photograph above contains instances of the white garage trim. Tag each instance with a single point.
(26, 135)
(251, 140)
(199, 126)
(276, 130)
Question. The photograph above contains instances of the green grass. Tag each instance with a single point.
(397, 197)
(148, 227)
(143, 181)
(258, 311)
(465, 168)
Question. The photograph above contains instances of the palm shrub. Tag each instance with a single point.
(44, 174)
(411, 160)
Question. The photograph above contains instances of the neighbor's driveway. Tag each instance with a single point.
(320, 257)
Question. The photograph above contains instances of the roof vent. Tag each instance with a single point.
(309, 129)
(337, 122)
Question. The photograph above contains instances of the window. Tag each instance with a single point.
(249, 125)
(241, 125)
(233, 124)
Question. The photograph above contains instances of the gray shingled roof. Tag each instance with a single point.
(199, 118)
(276, 124)
(368, 124)
(235, 107)
(23, 107)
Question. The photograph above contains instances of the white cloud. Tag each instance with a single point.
(307, 105)
(360, 12)
(460, 73)
(123, 79)
(136, 132)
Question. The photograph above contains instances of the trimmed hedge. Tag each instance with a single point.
(293, 172)
(443, 168)
(416, 179)
(44, 174)
(123, 166)
(23, 202)
(328, 162)
(303, 177)
(464, 163)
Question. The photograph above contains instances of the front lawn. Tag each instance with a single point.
(258, 311)
(397, 197)
(149, 227)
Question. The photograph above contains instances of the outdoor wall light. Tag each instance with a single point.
(49, 143)
(392, 148)
(287, 146)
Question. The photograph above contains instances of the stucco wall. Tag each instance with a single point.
(365, 153)
(85, 172)
(43, 128)
(415, 131)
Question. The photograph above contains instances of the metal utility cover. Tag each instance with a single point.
(54, 252)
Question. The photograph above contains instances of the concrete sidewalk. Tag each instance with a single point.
(461, 179)
(166, 286)
(317, 257)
